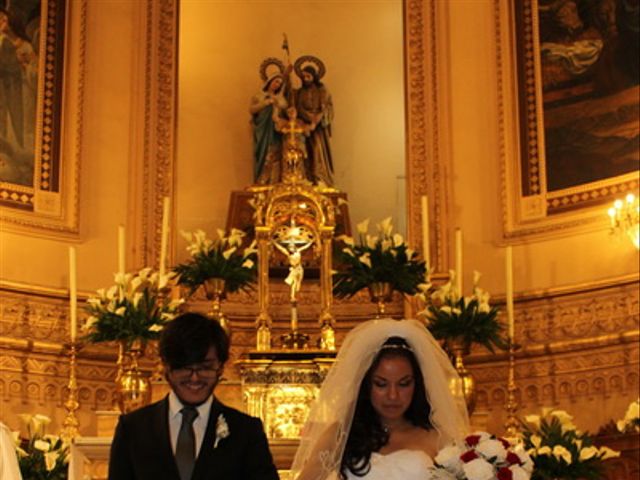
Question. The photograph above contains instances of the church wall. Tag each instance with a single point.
(213, 157)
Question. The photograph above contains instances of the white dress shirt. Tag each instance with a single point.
(199, 424)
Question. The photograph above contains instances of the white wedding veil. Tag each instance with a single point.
(325, 433)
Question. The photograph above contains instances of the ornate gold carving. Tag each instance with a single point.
(580, 353)
(279, 387)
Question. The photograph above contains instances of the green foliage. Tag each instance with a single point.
(558, 450)
(221, 258)
(467, 319)
(132, 309)
(383, 258)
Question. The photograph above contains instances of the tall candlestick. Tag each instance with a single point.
(425, 230)
(459, 261)
(73, 293)
(164, 238)
(509, 290)
(121, 250)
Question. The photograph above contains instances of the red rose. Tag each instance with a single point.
(505, 474)
(505, 443)
(468, 456)
(472, 440)
(513, 459)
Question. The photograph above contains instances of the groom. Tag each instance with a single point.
(190, 435)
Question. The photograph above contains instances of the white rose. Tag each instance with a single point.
(492, 448)
(449, 458)
(479, 469)
(519, 473)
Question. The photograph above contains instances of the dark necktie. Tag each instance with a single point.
(186, 446)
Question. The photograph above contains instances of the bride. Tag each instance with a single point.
(385, 408)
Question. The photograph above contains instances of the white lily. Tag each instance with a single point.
(346, 240)
(561, 452)
(50, 459)
(363, 227)
(89, 323)
(228, 252)
(365, 258)
(587, 453)
(248, 263)
(607, 453)
(385, 227)
(42, 445)
(536, 440)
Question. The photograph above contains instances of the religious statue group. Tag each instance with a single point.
(291, 117)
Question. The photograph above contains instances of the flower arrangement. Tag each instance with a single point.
(481, 456)
(132, 309)
(559, 450)
(221, 258)
(471, 319)
(631, 421)
(41, 456)
(222, 430)
(381, 258)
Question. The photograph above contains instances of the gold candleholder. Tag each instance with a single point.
(511, 425)
(70, 424)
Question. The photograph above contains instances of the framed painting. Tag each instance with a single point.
(38, 173)
(577, 96)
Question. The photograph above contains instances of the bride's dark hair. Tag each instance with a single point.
(367, 434)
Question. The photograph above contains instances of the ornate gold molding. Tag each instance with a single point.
(427, 155)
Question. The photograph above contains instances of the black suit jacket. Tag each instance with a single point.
(141, 447)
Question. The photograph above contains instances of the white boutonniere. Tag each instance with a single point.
(222, 430)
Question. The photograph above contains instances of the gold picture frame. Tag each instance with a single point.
(570, 141)
(41, 138)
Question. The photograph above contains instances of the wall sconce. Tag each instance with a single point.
(625, 218)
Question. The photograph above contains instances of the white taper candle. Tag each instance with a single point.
(164, 238)
(73, 294)
(424, 202)
(458, 265)
(121, 250)
(509, 290)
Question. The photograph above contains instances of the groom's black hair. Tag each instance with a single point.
(186, 340)
(367, 434)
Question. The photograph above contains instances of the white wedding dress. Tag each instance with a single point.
(398, 465)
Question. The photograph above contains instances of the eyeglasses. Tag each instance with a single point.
(202, 371)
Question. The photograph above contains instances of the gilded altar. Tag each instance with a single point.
(279, 387)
